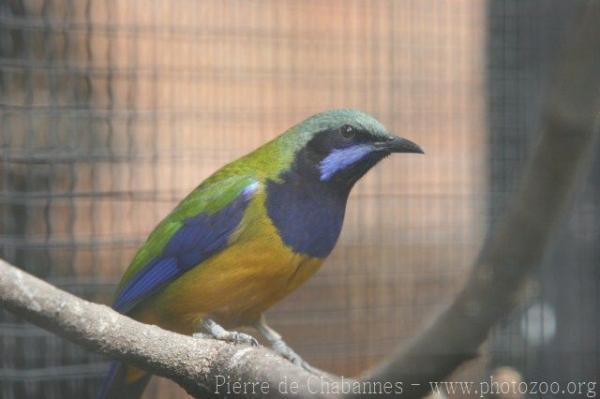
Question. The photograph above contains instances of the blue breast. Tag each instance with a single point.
(308, 214)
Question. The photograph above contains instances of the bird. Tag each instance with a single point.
(249, 235)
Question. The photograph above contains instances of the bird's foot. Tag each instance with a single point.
(281, 348)
(237, 337)
(217, 332)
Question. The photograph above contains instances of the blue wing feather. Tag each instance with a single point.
(153, 276)
(199, 238)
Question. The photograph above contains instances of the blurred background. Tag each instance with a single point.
(111, 111)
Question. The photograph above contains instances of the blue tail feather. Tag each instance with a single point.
(114, 385)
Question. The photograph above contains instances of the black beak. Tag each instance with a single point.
(398, 144)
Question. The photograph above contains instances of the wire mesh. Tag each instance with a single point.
(555, 337)
(111, 111)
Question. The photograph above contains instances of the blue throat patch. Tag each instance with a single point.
(307, 213)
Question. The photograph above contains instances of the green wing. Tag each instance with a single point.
(196, 229)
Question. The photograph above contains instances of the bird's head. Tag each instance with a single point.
(338, 147)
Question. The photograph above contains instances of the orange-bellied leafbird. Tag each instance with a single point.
(249, 235)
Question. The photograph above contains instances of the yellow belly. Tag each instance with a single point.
(233, 287)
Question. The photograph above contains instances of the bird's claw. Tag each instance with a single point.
(218, 332)
(234, 337)
(240, 338)
(288, 353)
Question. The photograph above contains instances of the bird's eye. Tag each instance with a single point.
(348, 131)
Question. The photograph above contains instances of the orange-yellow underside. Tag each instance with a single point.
(233, 287)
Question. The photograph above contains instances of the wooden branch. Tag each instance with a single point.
(201, 366)
(568, 133)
